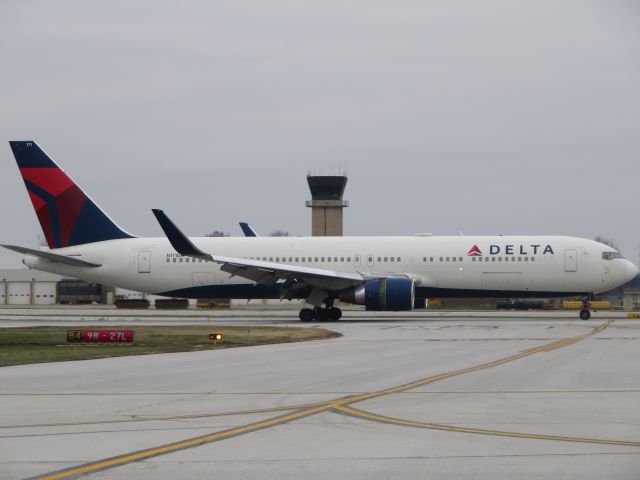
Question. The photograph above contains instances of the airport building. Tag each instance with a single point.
(28, 287)
(327, 204)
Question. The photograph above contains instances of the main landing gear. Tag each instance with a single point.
(585, 313)
(320, 314)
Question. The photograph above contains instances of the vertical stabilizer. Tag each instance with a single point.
(67, 215)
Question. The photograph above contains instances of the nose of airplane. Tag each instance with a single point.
(632, 271)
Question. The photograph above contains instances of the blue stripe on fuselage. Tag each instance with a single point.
(239, 291)
(251, 291)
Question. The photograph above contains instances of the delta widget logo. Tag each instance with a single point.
(474, 252)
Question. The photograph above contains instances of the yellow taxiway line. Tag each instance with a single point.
(341, 406)
(172, 447)
(497, 433)
(169, 417)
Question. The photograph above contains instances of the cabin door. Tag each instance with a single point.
(570, 260)
(144, 262)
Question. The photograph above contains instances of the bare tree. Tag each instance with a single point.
(606, 241)
(279, 233)
(216, 233)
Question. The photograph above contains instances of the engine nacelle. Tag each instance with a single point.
(394, 294)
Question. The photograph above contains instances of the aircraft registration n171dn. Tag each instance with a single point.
(382, 273)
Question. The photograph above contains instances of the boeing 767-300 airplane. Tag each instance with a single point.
(381, 273)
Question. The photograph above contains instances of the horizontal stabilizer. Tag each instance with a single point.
(52, 257)
(178, 240)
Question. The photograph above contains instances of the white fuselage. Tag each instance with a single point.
(525, 264)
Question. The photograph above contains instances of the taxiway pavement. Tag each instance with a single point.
(454, 396)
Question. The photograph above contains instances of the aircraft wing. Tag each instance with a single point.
(269, 272)
(257, 270)
(52, 257)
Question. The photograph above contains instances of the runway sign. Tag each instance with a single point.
(99, 336)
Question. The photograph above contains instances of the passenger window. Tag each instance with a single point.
(447, 259)
(493, 259)
(473, 259)
(460, 258)
(180, 260)
(386, 259)
(453, 259)
(440, 258)
(322, 259)
(379, 259)
(431, 259)
(335, 259)
(348, 259)
(533, 259)
(316, 259)
(424, 259)
(398, 259)
(297, 260)
(392, 259)
(342, 259)
(499, 259)
(519, 259)
(328, 259)
(526, 259)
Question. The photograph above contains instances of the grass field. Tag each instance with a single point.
(49, 344)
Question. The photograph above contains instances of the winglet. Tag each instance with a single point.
(247, 230)
(178, 240)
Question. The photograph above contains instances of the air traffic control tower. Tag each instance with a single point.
(326, 204)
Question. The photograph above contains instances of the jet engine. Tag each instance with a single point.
(393, 294)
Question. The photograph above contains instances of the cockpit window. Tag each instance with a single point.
(611, 255)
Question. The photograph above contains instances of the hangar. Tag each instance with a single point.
(28, 287)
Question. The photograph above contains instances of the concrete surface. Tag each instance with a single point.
(585, 392)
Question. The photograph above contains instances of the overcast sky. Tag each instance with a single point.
(482, 116)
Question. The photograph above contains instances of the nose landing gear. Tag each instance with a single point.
(585, 313)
